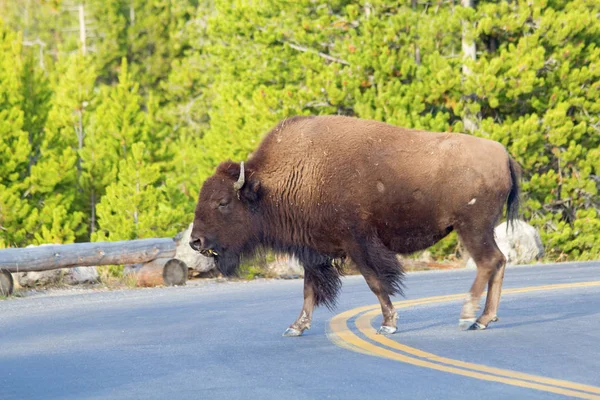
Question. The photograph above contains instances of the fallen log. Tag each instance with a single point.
(42, 258)
(6, 283)
(162, 271)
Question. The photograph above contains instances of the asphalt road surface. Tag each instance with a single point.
(223, 341)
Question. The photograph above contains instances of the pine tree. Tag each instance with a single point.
(14, 143)
(533, 87)
(119, 117)
(111, 22)
(537, 91)
(200, 81)
(154, 38)
(54, 183)
(136, 205)
(116, 124)
(36, 94)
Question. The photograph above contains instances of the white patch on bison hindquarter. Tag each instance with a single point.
(473, 200)
(380, 187)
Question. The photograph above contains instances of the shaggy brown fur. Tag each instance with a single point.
(328, 187)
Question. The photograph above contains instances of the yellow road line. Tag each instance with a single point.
(344, 337)
(363, 324)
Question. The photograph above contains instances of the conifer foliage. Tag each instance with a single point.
(14, 143)
(112, 140)
(133, 206)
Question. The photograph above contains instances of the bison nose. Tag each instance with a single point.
(197, 243)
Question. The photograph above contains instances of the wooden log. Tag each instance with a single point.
(162, 271)
(6, 283)
(42, 258)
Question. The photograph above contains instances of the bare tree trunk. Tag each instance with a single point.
(93, 216)
(26, 18)
(132, 13)
(82, 28)
(135, 212)
(92, 187)
(42, 66)
(80, 136)
(469, 51)
(417, 49)
(468, 46)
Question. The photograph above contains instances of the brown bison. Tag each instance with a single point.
(330, 187)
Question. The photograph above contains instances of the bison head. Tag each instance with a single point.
(223, 223)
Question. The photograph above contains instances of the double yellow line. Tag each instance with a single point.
(342, 335)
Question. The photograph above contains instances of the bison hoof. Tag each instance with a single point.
(386, 330)
(495, 319)
(289, 332)
(477, 327)
(465, 323)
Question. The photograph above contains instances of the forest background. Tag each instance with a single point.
(113, 112)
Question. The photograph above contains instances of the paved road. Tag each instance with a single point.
(223, 341)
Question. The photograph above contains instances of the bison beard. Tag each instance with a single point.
(326, 188)
(227, 262)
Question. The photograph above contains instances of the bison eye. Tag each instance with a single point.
(223, 204)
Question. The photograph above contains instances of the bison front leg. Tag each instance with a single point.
(305, 318)
(321, 286)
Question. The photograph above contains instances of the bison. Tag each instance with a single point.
(329, 188)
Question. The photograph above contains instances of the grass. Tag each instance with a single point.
(256, 267)
(113, 276)
(15, 293)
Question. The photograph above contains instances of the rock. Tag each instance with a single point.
(285, 267)
(191, 258)
(520, 245)
(70, 276)
(78, 275)
(39, 278)
(425, 257)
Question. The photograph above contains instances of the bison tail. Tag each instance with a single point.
(512, 203)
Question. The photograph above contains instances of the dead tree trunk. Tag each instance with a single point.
(6, 283)
(82, 35)
(469, 51)
(468, 45)
(417, 48)
(162, 271)
(42, 258)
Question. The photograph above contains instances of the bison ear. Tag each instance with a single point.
(250, 187)
(250, 193)
(229, 168)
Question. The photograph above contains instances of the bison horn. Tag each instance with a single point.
(241, 180)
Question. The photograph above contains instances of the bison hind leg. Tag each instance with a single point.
(490, 262)
(383, 272)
